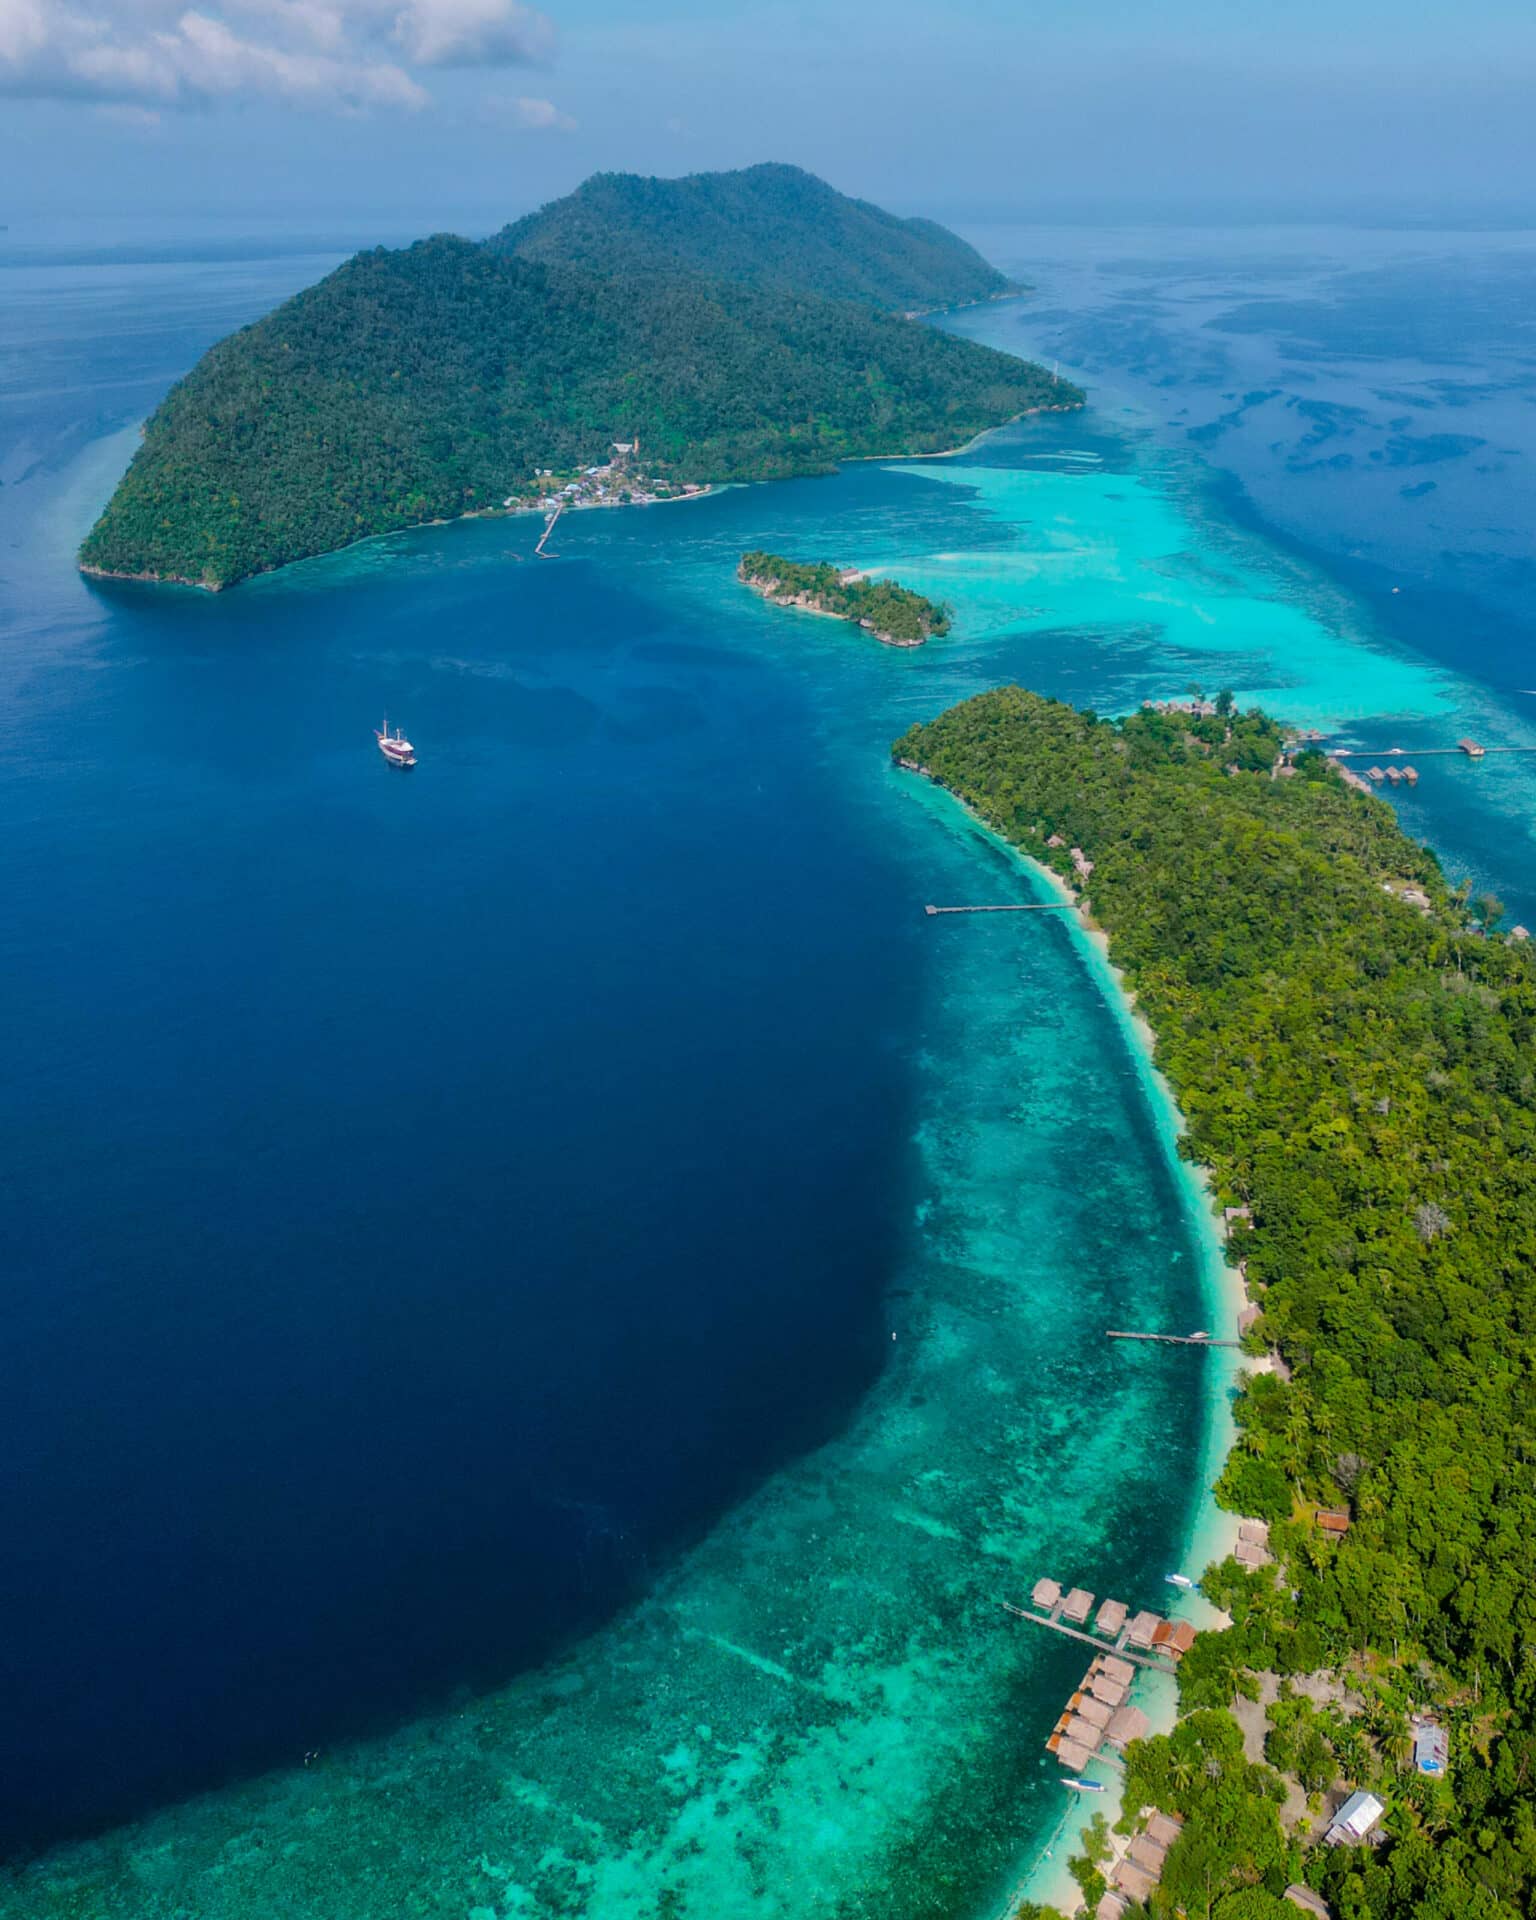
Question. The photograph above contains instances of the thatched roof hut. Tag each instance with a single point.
(1110, 1618)
(1077, 1606)
(1127, 1724)
(1111, 1692)
(1071, 1755)
(1084, 1733)
(1164, 1828)
(1046, 1594)
(1112, 1906)
(1144, 1627)
(1145, 1851)
(1114, 1668)
(1134, 1880)
(1096, 1711)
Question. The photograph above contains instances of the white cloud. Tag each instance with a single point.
(338, 55)
(472, 33)
(538, 116)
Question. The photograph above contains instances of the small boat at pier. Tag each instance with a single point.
(1084, 1786)
(1180, 1580)
(396, 749)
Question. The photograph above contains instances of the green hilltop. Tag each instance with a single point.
(774, 227)
(428, 382)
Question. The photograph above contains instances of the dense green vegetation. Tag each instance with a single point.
(893, 613)
(773, 227)
(422, 384)
(1359, 1071)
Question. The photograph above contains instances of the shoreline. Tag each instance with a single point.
(389, 533)
(1211, 1532)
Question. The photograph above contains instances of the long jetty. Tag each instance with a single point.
(1028, 906)
(1175, 1339)
(1118, 1647)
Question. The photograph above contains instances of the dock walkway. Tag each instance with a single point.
(1175, 1339)
(1028, 906)
(1118, 1646)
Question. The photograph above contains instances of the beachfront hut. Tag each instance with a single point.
(1077, 1606)
(1083, 1733)
(1246, 1318)
(1111, 1692)
(1143, 1628)
(1255, 1530)
(1110, 1618)
(1095, 1711)
(1072, 1756)
(1134, 1880)
(1164, 1828)
(1175, 1637)
(1114, 1668)
(1145, 1851)
(1112, 1906)
(1248, 1553)
(1128, 1724)
(1047, 1594)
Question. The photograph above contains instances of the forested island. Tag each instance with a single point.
(1353, 1044)
(893, 614)
(738, 326)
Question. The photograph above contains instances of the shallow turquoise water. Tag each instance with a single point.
(819, 1707)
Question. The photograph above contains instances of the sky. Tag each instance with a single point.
(466, 112)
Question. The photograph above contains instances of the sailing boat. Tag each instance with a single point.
(396, 749)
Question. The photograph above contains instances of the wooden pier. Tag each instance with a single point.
(1028, 906)
(1175, 1339)
(1118, 1647)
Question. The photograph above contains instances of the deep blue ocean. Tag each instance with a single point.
(464, 1228)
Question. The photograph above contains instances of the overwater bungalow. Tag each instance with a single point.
(1110, 1618)
(1411, 775)
(1072, 1756)
(1111, 1692)
(1046, 1595)
(1143, 1628)
(1394, 774)
(1114, 1668)
(1077, 1606)
(1375, 775)
(1097, 1712)
(1084, 1733)
(1471, 749)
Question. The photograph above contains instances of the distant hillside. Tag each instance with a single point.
(421, 384)
(773, 227)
